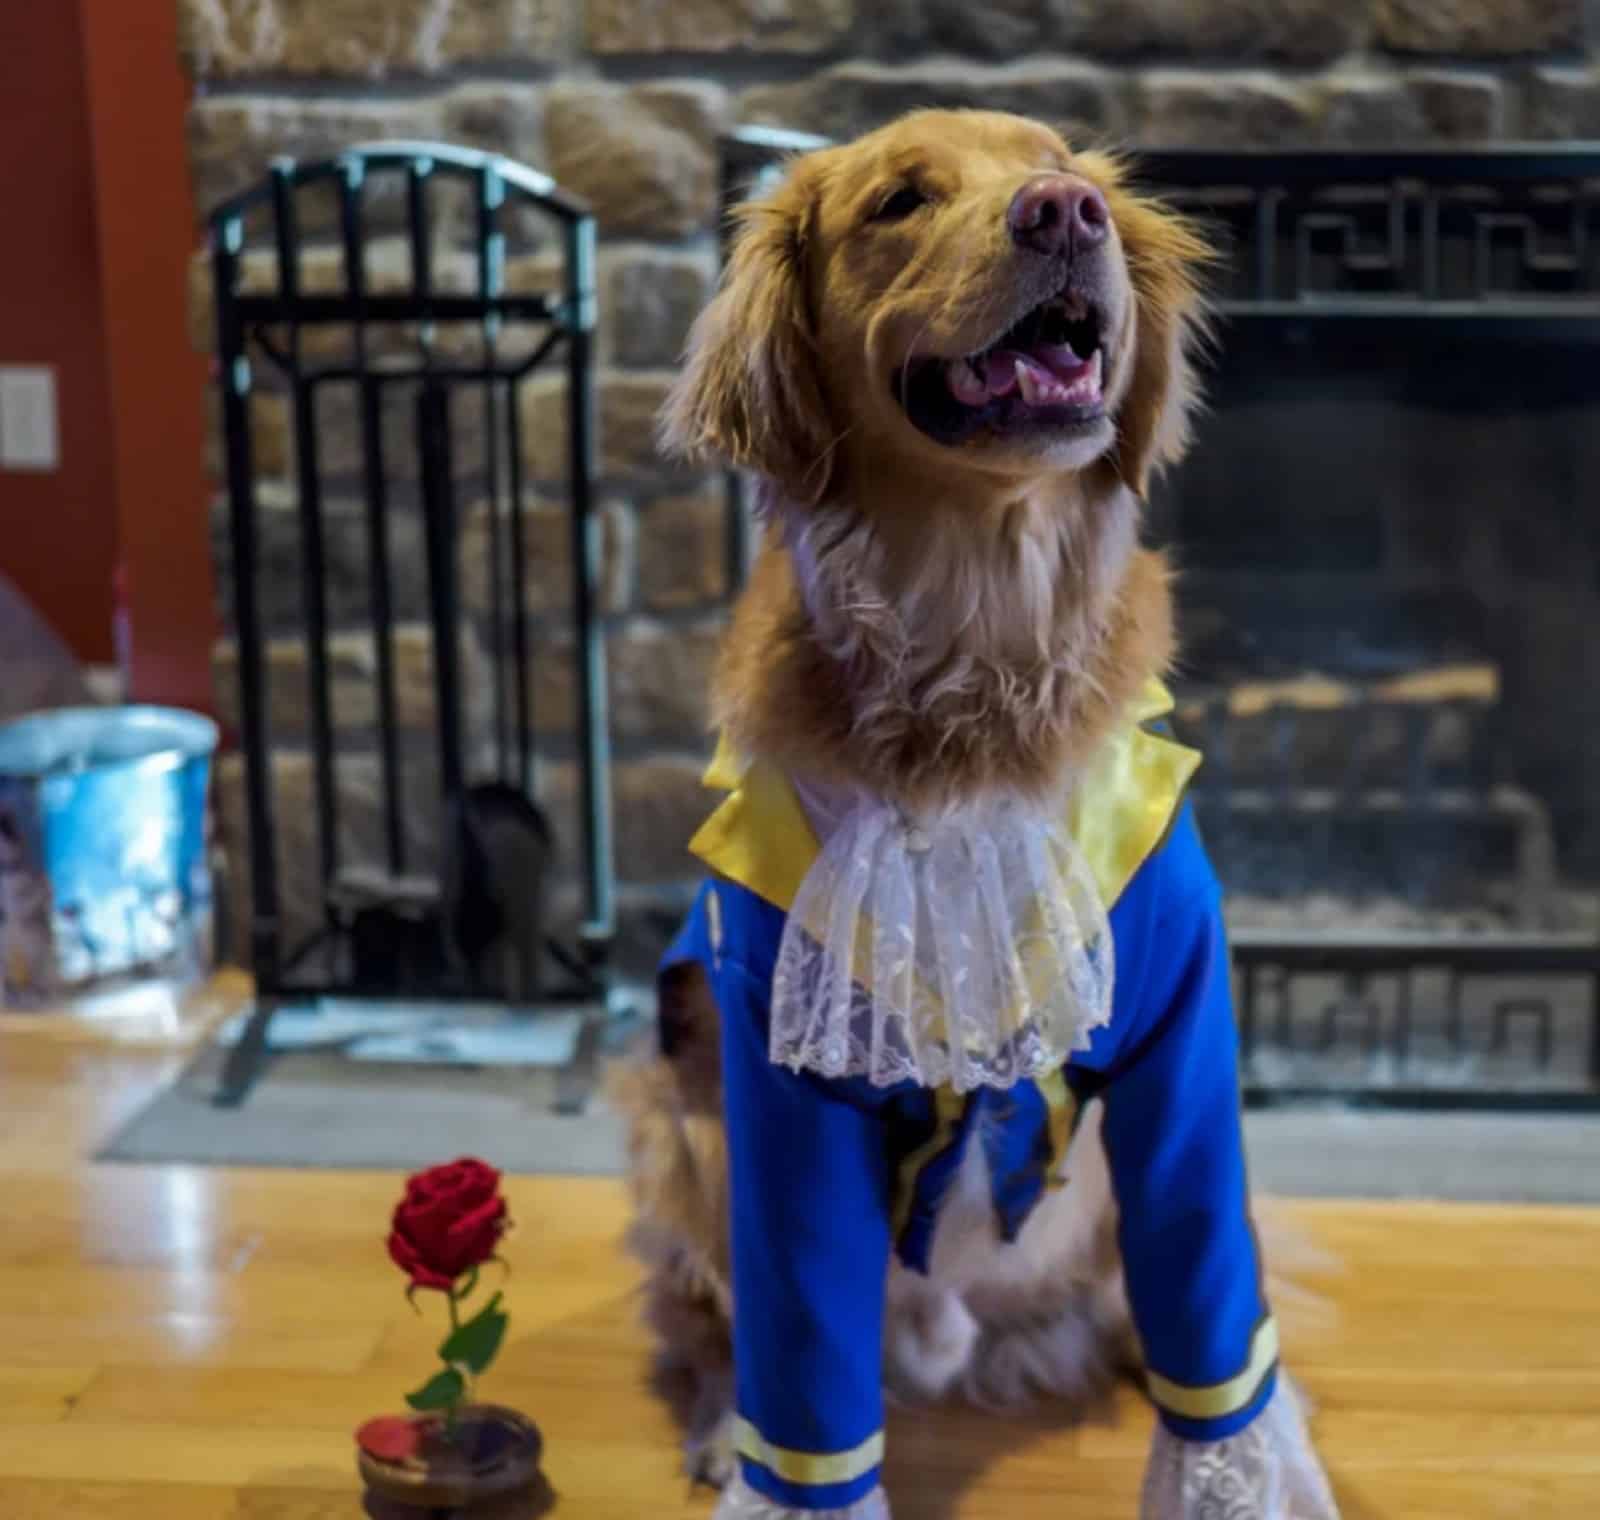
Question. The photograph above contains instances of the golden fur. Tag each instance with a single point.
(927, 621)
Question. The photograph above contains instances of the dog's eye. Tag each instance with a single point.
(899, 204)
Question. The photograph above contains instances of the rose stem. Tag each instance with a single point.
(450, 1408)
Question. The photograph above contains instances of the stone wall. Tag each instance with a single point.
(621, 101)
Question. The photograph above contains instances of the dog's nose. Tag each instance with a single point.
(1057, 213)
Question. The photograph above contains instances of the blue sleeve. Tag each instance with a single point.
(809, 1196)
(1174, 1140)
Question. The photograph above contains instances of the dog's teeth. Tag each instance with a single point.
(1086, 390)
(1028, 384)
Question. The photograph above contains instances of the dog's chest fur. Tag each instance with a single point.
(954, 670)
(1004, 1322)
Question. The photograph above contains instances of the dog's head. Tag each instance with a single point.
(959, 291)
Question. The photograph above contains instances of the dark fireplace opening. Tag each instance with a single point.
(1388, 594)
(1390, 587)
(1388, 597)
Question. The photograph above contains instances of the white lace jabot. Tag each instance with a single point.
(969, 948)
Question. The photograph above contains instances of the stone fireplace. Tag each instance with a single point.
(1359, 585)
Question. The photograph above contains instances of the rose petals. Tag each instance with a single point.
(392, 1438)
(406, 1256)
(449, 1222)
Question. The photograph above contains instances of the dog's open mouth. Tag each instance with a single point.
(1046, 371)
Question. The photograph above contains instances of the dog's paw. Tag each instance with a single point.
(739, 1502)
(1072, 1357)
(708, 1453)
(930, 1340)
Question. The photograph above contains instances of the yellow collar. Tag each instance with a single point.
(759, 835)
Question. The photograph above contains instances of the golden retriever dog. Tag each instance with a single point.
(953, 354)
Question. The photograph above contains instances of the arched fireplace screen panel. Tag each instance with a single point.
(390, 307)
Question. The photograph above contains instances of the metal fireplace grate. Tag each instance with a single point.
(1438, 999)
(426, 361)
(1398, 779)
(1450, 240)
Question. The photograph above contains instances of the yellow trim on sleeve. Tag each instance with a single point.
(815, 1469)
(1220, 1399)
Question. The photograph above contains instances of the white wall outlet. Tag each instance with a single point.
(30, 436)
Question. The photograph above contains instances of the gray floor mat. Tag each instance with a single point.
(318, 1109)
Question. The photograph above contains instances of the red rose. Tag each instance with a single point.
(390, 1439)
(450, 1221)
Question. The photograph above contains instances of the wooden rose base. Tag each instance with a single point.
(488, 1469)
(531, 1504)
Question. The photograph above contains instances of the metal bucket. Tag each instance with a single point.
(103, 848)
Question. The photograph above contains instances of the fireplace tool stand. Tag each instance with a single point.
(451, 904)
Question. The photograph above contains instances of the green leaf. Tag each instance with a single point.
(473, 1344)
(441, 1391)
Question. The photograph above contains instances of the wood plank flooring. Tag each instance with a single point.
(187, 1344)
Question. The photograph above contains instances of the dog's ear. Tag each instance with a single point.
(1166, 256)
(750, 392)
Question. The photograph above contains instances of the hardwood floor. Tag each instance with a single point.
(185, 1344)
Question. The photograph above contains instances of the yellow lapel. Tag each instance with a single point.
(759, 836)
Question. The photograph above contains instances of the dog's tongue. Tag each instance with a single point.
(1049, 364)
(1047, 375)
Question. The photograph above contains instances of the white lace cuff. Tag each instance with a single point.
(741, 1502)
(1268, 1471)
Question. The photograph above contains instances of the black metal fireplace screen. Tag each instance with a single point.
(1408, 777)
(430, 359)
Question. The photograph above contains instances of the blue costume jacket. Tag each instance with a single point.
(829, 1177)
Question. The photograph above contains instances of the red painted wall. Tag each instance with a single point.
(98, 229)
(57, 531)
(146, 233)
